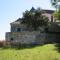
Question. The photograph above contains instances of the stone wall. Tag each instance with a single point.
(25, 37)
(34, 37)
(53, 37)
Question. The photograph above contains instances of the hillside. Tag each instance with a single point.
(46, 52)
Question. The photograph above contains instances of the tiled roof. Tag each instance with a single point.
(19, 19)
(48, 11)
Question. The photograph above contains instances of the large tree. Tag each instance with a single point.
(34, 18)
(56, 4)
(57, 15)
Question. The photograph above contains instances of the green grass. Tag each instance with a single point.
(46, 52)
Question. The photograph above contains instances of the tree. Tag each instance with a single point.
(57, 6)
(57, 15)
(34, 18)
(55, 3)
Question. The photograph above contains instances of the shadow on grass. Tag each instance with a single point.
(57, 45)
(21, 47)
(27, 47)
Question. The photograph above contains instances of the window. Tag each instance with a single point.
(18, 29)
(11, 39)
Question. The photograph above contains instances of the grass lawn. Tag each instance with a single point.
(45, 52)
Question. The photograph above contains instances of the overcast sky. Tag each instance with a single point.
(10, 10)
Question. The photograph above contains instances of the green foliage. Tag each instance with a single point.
(57, 15)
(58, 0)
(57, 6)
(55, 3)
(34, 18)
(46, 52)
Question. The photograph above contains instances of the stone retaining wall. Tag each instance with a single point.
(34, 37)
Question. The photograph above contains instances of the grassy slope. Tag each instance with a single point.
(46, 52)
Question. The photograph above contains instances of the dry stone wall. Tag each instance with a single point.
(34, 37)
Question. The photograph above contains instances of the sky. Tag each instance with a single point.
(11, 10)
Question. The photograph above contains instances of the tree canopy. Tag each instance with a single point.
(55, 3)
(57, 15)
(57, 6)
(34, 18)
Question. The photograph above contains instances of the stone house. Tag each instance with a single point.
(21, 34)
